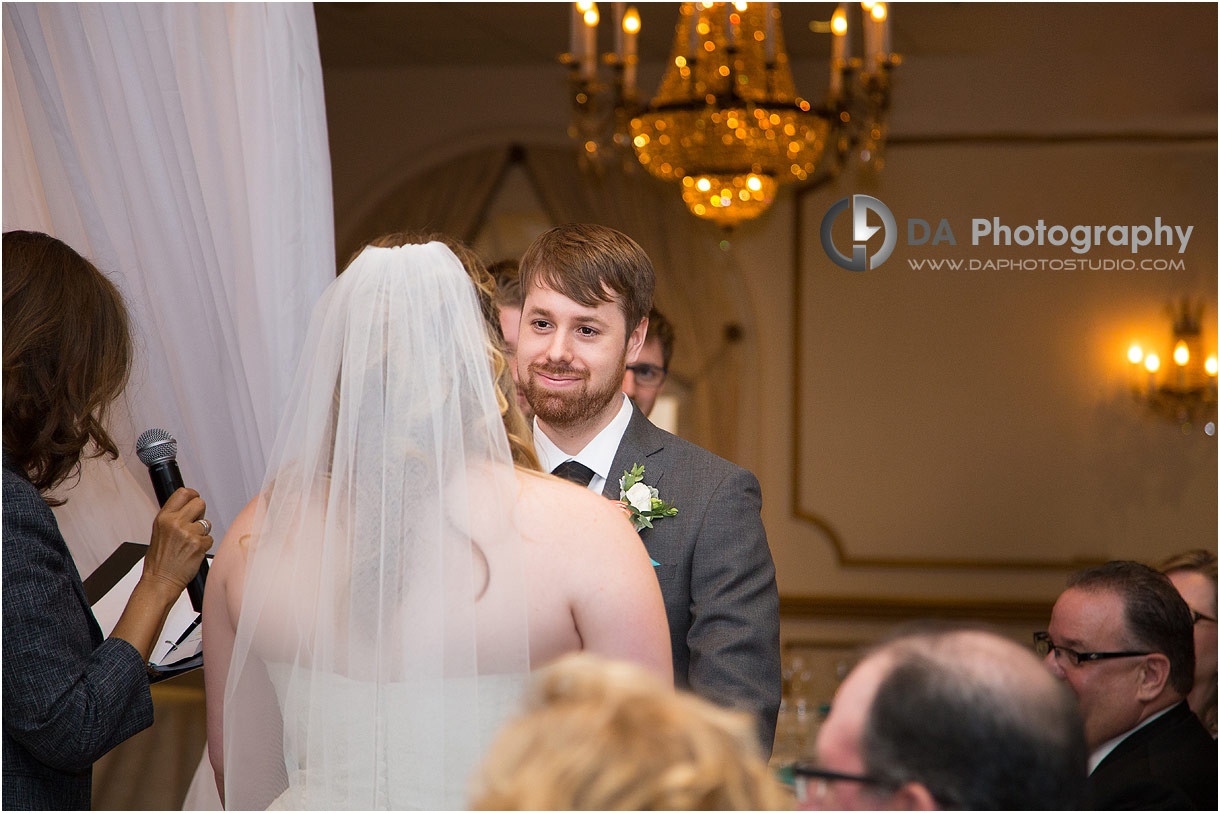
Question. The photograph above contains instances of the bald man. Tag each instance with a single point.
(948, 719)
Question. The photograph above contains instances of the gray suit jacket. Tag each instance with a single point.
(69, 696)
(715, 571)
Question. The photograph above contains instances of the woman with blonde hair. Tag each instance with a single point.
(1194, 574)
(373, 614)
(604, 735)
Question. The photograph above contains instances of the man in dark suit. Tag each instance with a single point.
(588, 290)
(1121, 637)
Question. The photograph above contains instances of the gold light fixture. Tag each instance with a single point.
(1182, 387)
(726, 122)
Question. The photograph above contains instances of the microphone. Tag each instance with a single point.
(157, 450)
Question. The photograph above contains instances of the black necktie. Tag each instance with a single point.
(574, 472)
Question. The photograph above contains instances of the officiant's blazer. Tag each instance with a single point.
(715, 570)
(69, 696)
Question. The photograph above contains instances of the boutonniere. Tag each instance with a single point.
(640, 500)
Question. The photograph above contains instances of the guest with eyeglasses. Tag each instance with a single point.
(508, 300)
(1121, 638)
(645, 378)
(945, 718)
(1194, 574)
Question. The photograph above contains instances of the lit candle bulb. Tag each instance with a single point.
(589, 61)
(1210, 365)
(838, 51)
(1181, 357)
(871, 46)
(1152, 363)
(879, 25)
(631, 33)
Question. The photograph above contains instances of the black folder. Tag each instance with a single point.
(180, 629)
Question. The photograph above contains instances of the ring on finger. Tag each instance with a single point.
(207, 526)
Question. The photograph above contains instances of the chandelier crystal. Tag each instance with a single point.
(727, 123)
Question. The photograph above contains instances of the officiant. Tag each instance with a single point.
(69, 695)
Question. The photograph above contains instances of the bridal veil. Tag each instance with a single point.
(382, 634)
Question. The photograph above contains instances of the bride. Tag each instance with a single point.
(373, 613)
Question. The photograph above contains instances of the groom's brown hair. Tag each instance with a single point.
(592, 264)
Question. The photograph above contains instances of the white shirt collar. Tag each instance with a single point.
(1106, 747)
(598, 453)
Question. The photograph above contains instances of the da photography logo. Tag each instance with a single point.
(861, 232)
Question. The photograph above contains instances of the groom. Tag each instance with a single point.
(587, 292)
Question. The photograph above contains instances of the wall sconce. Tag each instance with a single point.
(1181, 388)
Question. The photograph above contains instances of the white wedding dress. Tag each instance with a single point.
(409, 777)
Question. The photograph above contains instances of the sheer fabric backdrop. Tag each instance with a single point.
(183, 148)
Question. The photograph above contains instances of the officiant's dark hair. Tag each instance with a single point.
(67, 356)
(592, 264)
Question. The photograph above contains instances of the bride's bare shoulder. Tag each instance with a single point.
(551, 509)
(231, 554)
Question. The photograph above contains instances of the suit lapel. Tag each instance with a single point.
(641, 443)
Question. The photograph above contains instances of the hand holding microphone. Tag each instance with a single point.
(175, 553)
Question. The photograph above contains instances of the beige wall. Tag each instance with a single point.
(969, 432)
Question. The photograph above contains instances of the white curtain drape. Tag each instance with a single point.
(450, 199)
(182, 148)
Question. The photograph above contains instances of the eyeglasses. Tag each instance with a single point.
(648, 375)
(1196, 617)
(1044, 646)
(813, 783)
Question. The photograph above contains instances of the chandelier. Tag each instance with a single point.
(1184, 392)
(726, 123)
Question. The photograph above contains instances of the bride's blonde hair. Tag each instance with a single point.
(520, 438)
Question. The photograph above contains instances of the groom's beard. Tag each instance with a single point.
(567, 408)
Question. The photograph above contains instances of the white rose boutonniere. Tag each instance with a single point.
(640, 500)
(640, 497)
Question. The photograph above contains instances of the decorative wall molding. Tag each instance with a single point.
(821, 608)
(804, 239)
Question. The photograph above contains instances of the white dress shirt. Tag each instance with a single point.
(598, 453)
